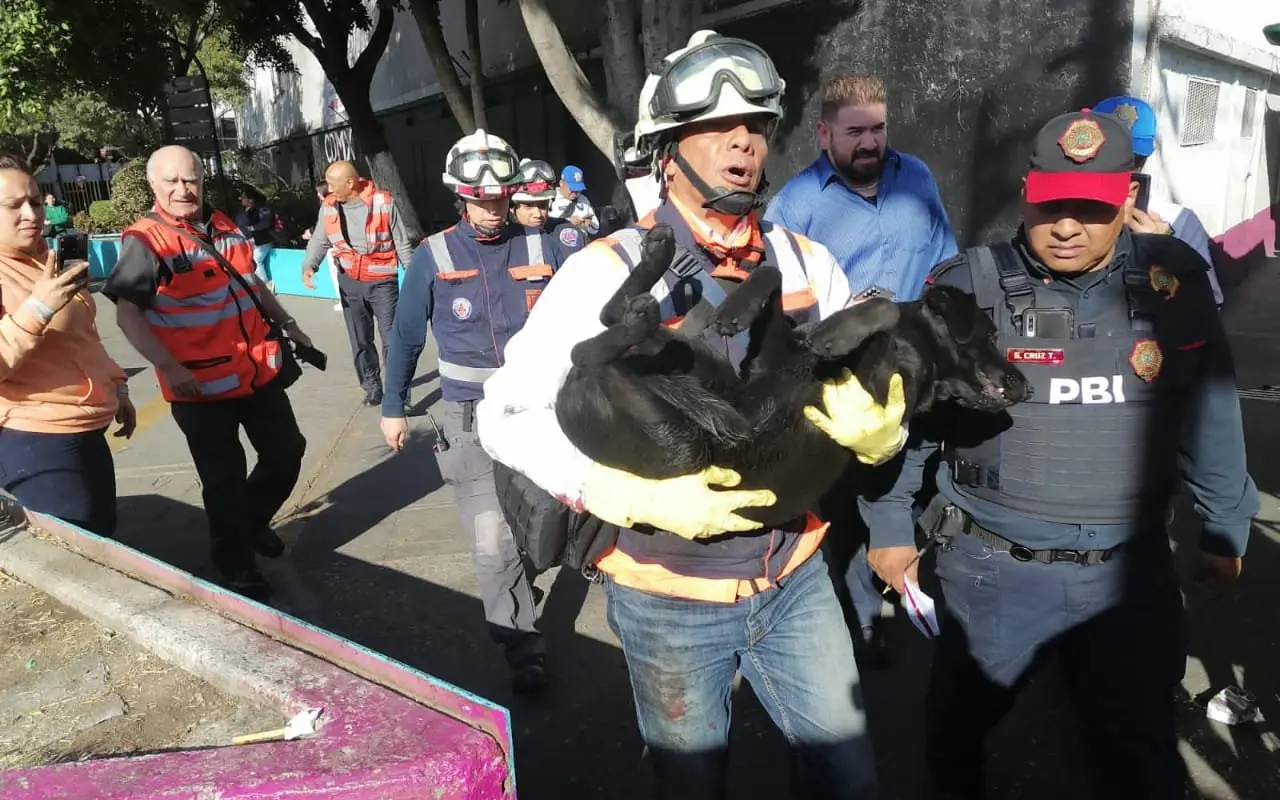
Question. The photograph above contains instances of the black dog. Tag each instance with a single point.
(660, 403)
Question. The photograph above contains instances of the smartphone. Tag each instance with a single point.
(1049, 323)
(72, 246)
(1144, 190)
(312, 356)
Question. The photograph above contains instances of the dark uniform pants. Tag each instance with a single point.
(362, 301)
(1120, 631)
(237, 503)
(505, 587)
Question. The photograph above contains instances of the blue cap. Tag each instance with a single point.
(1138, 115)
(572, 177)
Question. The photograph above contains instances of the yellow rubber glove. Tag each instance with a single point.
(852, 418)
(687, 506)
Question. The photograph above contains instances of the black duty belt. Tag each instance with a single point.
(1020, 552)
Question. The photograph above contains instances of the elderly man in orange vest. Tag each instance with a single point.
(188, 300)
(363, 235)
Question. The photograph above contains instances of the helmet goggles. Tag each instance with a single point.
(470, 167)
(691, 83)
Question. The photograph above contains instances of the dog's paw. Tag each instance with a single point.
(659, 245)
(641, 311)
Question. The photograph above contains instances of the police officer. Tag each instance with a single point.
(690, 605)
(475, 283)
(531, 205)
(1054, 510)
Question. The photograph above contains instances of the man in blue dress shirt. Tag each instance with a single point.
(877, 210)
(880, 214)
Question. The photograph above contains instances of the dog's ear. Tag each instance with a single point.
(958, 311)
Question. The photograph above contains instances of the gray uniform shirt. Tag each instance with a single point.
(356, 214)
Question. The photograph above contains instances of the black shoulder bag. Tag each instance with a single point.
(290, 370)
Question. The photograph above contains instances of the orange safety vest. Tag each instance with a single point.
(203, 317)
(380, 262)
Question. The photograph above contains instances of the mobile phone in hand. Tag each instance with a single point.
(1144, 190)
(71, 246)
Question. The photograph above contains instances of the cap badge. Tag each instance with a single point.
(1082, 140)
(1146, 359)
(1126, 113)
(1163, 281)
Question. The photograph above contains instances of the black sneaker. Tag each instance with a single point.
(250, 583)
(267, 542)
(530, 676)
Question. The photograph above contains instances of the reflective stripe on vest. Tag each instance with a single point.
(458, 372)
(201, 316)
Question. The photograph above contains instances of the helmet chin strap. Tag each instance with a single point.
(734, 202)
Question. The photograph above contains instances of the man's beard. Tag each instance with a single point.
(859, 173)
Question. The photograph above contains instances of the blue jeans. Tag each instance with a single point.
(790, 643)
(262, 252)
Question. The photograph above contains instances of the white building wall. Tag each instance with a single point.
(282, 105)
(1195, 45)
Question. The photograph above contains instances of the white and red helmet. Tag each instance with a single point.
(481, 166)
(536, 182)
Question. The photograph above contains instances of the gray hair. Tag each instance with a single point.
(169, 150)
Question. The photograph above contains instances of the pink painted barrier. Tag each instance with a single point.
(1239, 251)
(388, 731)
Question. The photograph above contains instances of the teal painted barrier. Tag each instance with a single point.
(284, 266)
(104, 251)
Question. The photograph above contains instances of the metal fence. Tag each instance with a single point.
(78, 185)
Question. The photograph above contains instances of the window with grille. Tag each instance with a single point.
(1250, 109)
(1199, 111)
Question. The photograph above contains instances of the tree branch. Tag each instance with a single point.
(368, 60)
(427, 14)
(299, 31)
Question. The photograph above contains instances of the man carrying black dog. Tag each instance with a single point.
(691, 605)
(1051, 515)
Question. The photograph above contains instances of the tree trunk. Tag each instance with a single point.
(624, 61)
(666, 25)
(427, 14)
(373, 149)
(477, 64)
(566, 76)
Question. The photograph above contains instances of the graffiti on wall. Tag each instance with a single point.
(337, 146)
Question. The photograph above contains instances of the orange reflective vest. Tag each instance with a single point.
(202, 316)
(380, 262)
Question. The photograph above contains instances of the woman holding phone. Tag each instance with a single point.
(59, 390)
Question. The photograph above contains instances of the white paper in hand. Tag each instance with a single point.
(920, 608)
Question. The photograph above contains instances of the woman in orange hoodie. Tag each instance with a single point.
(59, 390)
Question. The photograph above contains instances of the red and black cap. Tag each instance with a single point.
(1081, 156)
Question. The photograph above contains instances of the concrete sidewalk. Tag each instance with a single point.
(376, 555)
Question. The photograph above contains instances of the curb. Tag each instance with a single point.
(214, 649)
(387, 731)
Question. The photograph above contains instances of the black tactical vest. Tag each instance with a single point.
(1079, 450)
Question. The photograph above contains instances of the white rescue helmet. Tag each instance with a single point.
(536, 182)
(481, 166)
(710, 78)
